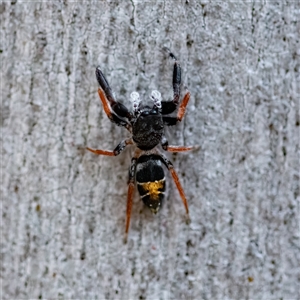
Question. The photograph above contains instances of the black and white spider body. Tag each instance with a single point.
(146, 125)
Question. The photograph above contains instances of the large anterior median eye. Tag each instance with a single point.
(135, 100)
(156, 98)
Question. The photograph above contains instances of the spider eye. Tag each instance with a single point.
(135, 99)
(156, 98)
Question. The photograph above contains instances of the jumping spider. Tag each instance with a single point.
(146, 125)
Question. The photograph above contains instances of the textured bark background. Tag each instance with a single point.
(63, 213)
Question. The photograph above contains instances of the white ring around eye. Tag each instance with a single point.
(156, 98)
(135, 99)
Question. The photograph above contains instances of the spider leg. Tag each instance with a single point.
(183, 105)
(116, 111)
(170, 121)
(121, 146)
(176, 80)
(180, 148)
(165, 145)
(170, 167)
(170, 106)
(130, 193)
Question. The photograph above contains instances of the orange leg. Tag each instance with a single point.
(170, 121)
(101, 152)
(180, 189)
(130, 192)
(105, 104)
(180, 148)
(111, 115)
(129, 206)
(177, 182)
(121, 146)
(182, 107)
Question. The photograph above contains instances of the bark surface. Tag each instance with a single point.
(63, 209)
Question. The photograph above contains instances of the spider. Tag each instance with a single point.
(146, 124)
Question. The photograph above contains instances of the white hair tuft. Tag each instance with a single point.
(156, 98)
(135, 99)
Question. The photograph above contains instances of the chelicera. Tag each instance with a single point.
(146, 123)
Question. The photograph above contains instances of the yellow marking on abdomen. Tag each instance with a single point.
(152, 188)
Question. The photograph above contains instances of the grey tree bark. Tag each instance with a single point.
(63, 209)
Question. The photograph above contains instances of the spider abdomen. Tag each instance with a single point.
(150, 179)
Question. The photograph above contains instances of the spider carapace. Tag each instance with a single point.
(146, 124)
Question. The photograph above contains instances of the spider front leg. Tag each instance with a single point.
(121, 146)
(115, 111)
(170, 106)
(170, 121)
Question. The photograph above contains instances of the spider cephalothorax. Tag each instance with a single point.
(146, 124)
